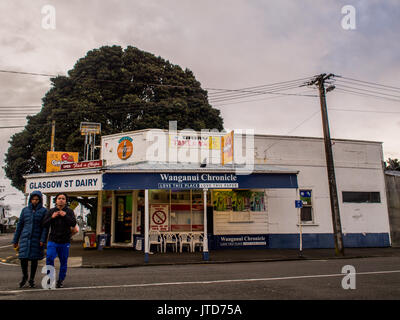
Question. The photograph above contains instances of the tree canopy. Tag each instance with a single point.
(392, 164)
(124, 90)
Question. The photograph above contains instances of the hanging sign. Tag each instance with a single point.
(227, 148)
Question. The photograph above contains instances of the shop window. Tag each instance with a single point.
(238, 200)
(197, 210)
(181, 217)
(361, 197)
(159, 196)
(306, 213)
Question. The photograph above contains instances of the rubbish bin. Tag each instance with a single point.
(102, 241)
(89, 239)
(138, 243)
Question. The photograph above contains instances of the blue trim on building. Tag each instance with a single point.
(291, 241)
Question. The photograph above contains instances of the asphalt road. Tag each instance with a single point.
(376, 278)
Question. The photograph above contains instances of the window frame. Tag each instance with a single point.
(371, 198)
(312, 221)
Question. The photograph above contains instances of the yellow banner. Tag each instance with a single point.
(215, 143)
(56, 158)
(227, 148)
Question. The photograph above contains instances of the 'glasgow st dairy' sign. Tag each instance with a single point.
(73, 183)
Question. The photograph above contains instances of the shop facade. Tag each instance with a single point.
(175, 182)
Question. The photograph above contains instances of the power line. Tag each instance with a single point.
(248, 94)
(376, 84)
(355, 83)
(27, 107)
(364, 94)
(366, 111)
(28, 73)
(12, 127)
(367, 90)
(145, 83)
(269, 98)
(272, 85)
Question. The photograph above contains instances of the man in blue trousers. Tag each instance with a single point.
(60, 220)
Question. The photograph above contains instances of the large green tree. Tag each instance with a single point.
(123, 89)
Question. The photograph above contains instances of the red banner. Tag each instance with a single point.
(82, 165)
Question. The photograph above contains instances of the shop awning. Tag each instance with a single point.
(146, 175)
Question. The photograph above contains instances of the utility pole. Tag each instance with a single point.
(53, 133)
(319, 81)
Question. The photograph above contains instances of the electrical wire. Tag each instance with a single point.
(364, 94)
(367, 90)
(376, 84)
(364, 111)
(266, 86)
(248, 94)
(269, 98)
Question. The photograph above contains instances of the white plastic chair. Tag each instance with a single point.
(155, 238)
(185, 239)
(170, 238)
(197, 240)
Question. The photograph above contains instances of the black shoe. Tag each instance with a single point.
(31, 283)
(22, 283)
(59, 284)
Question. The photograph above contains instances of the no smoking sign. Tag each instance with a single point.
(159, 217)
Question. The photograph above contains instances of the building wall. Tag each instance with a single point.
(358, 167)
(393, 195)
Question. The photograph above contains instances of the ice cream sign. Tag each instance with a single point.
(56, 159)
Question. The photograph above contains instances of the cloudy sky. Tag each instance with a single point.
(230, 44)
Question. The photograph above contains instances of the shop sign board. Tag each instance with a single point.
(241, 241)
(87, 182)
(82, 165)
(200, 141)
(57, 158)
(181, 181)
(159, 217)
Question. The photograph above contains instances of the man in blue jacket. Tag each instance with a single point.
(31, 236)
(60, 220)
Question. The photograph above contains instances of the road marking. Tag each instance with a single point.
(10, 245)
(141, 285)
(7, 264)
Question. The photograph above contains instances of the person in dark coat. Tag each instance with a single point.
(30, 236)
(59, 220)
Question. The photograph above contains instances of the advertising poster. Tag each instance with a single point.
(56, 158)
(227, 148)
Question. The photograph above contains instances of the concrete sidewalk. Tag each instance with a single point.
(128, 257)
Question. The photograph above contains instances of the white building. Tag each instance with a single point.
(161, 176)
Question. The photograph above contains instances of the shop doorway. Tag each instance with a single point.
(123, 219)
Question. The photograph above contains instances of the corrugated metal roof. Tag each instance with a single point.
(392, 173)
(193, 167)
(167, 167)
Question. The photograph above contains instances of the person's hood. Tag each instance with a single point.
(40, 204)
